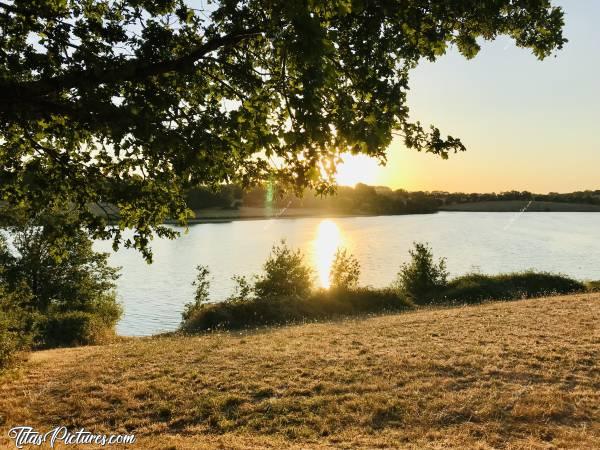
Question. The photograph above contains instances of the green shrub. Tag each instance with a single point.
(75, 328)
(421, 278)
(345, 271)
(357, 301)
(18, 324)
(10, 342)
(243, 290)
(107, 310)
(74, 289)
(287, 280)
(285, 275)
(284, 294)
(322, 304)
(201, 294)
(474, 288)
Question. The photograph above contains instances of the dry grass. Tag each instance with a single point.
(502, 375)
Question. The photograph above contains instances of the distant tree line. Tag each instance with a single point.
(587, 197)
(364, 199)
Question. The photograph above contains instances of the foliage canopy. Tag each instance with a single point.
(131, 102)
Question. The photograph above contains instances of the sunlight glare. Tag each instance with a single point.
(328, 239)
(357, 169)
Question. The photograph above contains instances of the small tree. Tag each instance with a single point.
(243, 290)
(285, 275)
(202, 292)
(345, 270)
(202, 284)
(422, 277)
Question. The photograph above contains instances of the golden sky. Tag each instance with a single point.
(527, 124)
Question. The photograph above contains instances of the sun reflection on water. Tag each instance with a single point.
(328, 239)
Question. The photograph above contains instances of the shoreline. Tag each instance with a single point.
(254, 213)
(251, 213)
(221, 215)
(521, 206)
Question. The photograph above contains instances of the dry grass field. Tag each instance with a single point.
(513, 375)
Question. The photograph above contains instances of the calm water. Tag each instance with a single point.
(154, 295)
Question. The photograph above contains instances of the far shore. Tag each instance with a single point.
(219, 215)
(216, 215)
(521, 205)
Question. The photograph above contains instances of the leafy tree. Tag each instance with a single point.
(77, 281)
(345, 270)
(422, 277)
(57, 298)
(129, 103)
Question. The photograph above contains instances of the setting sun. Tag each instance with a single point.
(357, 169)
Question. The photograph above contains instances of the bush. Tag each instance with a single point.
(284, 293)
(360, 300)
(285, 275)
(323, 304)
(75, 328)
(422, 278)
(17, 326)
(9, 341)
(345, 271)
(201, 295)
(593, 286)
(74, 289)
(420, 281)
(474, 288)
(243, 290)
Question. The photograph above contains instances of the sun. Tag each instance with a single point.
(357, 169)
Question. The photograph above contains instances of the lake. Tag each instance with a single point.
(154, 295)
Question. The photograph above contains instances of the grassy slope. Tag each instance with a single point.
(501, 375)
(518, 205)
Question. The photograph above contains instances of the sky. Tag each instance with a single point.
(527, 124)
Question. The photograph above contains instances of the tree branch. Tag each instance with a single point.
(10, 8)
(131, 70)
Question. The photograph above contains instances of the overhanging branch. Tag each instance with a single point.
(131, 70)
